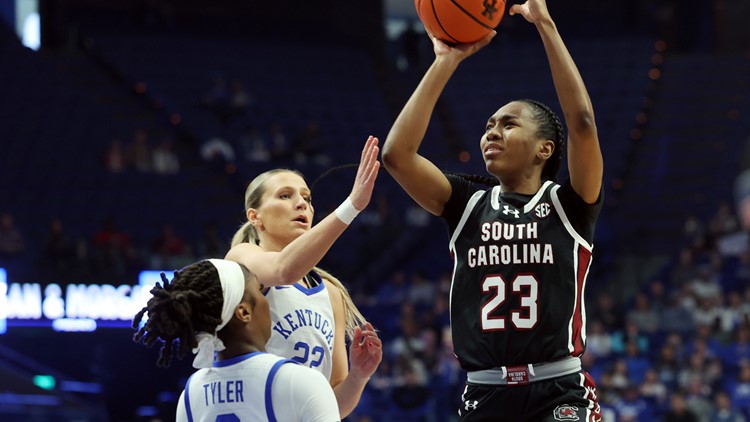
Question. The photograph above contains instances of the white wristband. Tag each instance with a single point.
(346, 211)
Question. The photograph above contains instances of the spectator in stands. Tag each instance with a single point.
(706, 285)
(606, 310)
(12, 241)
(218, 97)
(737, 351)
(738, 387)
(411, 393)
(686, 269)
(58, 250)
(675, 318)
(723, 222)
(113, 249)
(169, 250)
(643, 315)
(394, 290)
(140, 152)
(115, 158)
(724, 410)
(636, 362)
(254, 145)
(218, 152)
(280, 149)
(421, 290)
(631, 333)
(165, 159)
(409, 342)
(698, 398)
(240, 99)
(657, 295)
(81, 265)
(311, 146)
(598, 341)
(211, 245)
(633, 408)
(734, 314)
(653, 390)
(678, 411)
(707, 312)
(667, 365)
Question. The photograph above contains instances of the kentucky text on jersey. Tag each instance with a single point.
(304, 318)
(223, 392)
(513, 253)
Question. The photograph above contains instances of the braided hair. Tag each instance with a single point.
(190, 303)
(551, 128)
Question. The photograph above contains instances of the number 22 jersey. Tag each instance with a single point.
(302, 324)
(520, 269)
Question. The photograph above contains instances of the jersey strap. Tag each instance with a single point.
(269, 383)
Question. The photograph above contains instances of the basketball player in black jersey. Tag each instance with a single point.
(521, 249)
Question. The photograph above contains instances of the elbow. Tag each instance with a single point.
(391, 157)
(583, 122)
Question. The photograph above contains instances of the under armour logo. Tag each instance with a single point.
(507, 210)
(542, 210)
(471, 405)
(489, 8)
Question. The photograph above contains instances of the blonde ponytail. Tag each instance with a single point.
(246, 234)
(353, 316)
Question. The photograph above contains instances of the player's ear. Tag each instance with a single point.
(253, 217)
(244, 312)
(546, 148)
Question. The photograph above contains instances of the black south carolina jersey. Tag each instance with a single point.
(520, 268)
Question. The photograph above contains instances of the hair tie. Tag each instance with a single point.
(233, 288)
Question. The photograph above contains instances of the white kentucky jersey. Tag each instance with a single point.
(302, 324)
(257, 387)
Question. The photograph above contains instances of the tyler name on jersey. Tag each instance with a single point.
(509, 253)
(223, 392)
(291, 322)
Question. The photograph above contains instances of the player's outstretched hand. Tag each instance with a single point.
(365, 352)
(367, 172)
(533, 11)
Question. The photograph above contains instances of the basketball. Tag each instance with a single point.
(460, 21)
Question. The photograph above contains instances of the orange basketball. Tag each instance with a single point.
(460, 21)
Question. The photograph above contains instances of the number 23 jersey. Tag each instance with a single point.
(520, 268)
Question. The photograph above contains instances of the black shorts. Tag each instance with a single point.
(568, 398)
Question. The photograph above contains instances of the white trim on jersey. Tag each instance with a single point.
(452, 243)
(497, 190)
(495, 197)
(566, 222)
(465, 216)
(532, 203)
(583, 302)
(571, 346)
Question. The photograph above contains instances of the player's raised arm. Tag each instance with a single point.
(421, 179)
(277, 243)
(585, 162)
